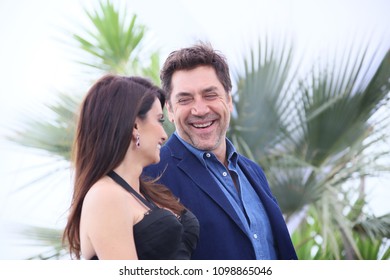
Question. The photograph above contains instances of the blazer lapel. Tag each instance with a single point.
(269, 203)
(194, 169)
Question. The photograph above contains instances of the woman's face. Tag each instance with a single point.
(152, 134)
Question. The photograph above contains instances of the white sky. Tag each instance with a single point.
(34, 66)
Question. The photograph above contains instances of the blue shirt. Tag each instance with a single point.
(242, 197)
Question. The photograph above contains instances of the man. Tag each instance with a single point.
(239, 217)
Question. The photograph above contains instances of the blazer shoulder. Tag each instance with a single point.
(254, 166)
(256, 173)
(173, 148)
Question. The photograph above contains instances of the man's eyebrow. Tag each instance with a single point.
(209, 89)
(182, 94)
(188, 94)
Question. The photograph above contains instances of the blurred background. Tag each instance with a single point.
(311, 93)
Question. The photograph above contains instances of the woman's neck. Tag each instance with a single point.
(130, 173)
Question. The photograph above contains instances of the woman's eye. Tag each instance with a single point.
(162, 120)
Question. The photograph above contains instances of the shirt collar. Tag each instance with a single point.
(230, 151)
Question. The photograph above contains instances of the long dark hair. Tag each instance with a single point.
(104, 132)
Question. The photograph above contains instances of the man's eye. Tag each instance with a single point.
(211, 96)
(183, 101)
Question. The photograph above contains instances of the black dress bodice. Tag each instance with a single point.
(160, 235)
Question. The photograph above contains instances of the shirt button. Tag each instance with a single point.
(255, 236)
(224, 174)
(208, 155)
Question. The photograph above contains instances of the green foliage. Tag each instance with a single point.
(260, 98)
(54, 137)
(310, 244)
(314, 136)
(372, 249)
(373, 227)
(116, 44)
(47, 238)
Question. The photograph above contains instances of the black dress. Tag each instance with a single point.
(160, 235)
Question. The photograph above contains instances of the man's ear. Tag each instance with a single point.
(230, 103)
(170, 111)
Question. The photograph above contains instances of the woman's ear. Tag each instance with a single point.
(135, 131)
(136, 136)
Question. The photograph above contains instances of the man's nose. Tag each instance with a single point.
(199, 108)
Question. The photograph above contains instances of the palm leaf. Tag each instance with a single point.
(312, 134)
(116, 43)
(54, 137)
(49, 239)
(260, 98)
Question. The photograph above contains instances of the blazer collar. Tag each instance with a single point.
(195, 170)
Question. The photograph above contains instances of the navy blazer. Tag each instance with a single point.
(222, 234)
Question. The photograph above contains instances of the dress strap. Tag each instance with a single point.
(119, 180)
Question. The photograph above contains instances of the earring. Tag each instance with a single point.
(137, 143)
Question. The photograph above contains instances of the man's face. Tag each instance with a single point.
(200, 108)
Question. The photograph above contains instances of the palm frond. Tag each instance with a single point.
(312, 134)
(116, 43)
(374, 227)
(260, 100)
(53, 137)
(48, 239)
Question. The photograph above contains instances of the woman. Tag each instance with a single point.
(114, 214)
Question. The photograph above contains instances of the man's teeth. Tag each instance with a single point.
(202, 125)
